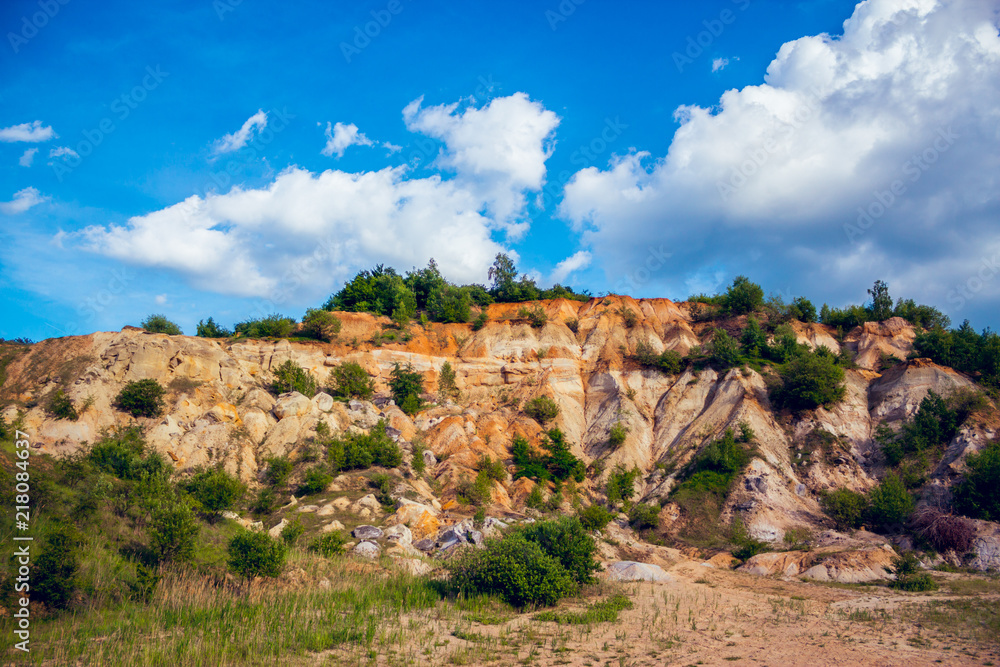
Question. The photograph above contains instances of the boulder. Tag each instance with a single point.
(323, 402)
(627, 570)
(332, 526)
(425, 544)
(292, 404)
(275, 532)
(366, 550)
(399, 533)
(367, 533)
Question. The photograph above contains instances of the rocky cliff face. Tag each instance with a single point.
(220, 411)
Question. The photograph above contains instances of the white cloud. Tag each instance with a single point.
(498, 151)
(63, 151)
(391, 147)
(31, 132)
(341, 137)
(770, 181)
(719, 63)
(160, 299)
(306, 232)
(28, 157)
(239, 138)
(23, 200)
(575, 262)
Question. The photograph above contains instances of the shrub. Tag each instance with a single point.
(643, 516)
(847, 508)
(573, 324)
(362, 450)
(142, 398)
(542, 409)
(265, 502)
(746, 547)
(160, 324)
(289, 376)
(320, 324)
(803, 310)
(209, 329)
(629, 318)
(617, 434)
(908, 575)
(315, 481)
(535, 499)
(380, 290)
(406, 386)
(478, 492)
(54, 575)
(272, 326)
(480, 321)
(278, 470)
(446, 381)
(743, 296)
(172, 532)
(123, 454)
(668, 361)
(725, 350)
(620, 485)
(890, 504)
(256, 554)
(566, 540)
(328, 545)
(946, 532)
(292, 532)
(594, 517)
(514, 569)
(536, 316)
(61, 407)
(976, 495)
(350, 380)
(417, 461)
(214, 490)
(809, 381)
(493, 470)
(448, 303)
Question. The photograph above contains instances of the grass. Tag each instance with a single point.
(605, 611)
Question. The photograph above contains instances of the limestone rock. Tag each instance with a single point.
(367, 532)
(292, 404)
(366, 550)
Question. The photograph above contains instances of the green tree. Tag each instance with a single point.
(172, 531)
(847, 508)
(725, 350)
(215, 491)
(620, 485)
(423, 283)
(209, 329)
(890, 503)
(448, 303)
(160, 324)
(446, 381)
(542, 409)
(503, 274)
(803, 309)
(406, 386)
(141, 398)
(881, 305)
(977, 495)
(289, 376)
(320, 324)
(743, 296)
(54, 576)
(753, 342)
(809, 381)
(253, 554)
(350, 380)
(271, 326)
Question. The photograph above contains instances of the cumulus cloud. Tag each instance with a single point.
(306, 232)
(238, 139)
(498, 151)
(30, 132)
(63, 151)
(575, 262)
(719, 63)
(28, 157)
(341, 137)
(858, 157)
(22, 201)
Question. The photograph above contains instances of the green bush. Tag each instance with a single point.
(908, 575)
(516, 570)
(448, 303)
(381, 291)
(350, 380)
(493, 470)
(668, 361)
(406, 386)
(214, 490)
(328, 545)
(809, 381)
(142, 398)
(320, 324)
(160, 324)
(265, 502)
(278, 470)
(480, 321)
(620, 485)
(315, 481)
(535, 315)
(890, 504)
(54, 572)
(847, 508)
(446, 381)
(353, 451)
(417, 461)
(478, 492)
(743, 296)
(617, 434)
(746, 547)
(594, 517)
(289, 376)
(209, 329)
(272, 326)
(725, 350)
(61, 407)
(123, 453)
(292, 532)
(566, 540)
(643, 516)
(254, 554)
(977, 495)
(803, 310)
(542, 409)
(535, 500)
(173, 531)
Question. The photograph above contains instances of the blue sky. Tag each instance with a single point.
(232, 159)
